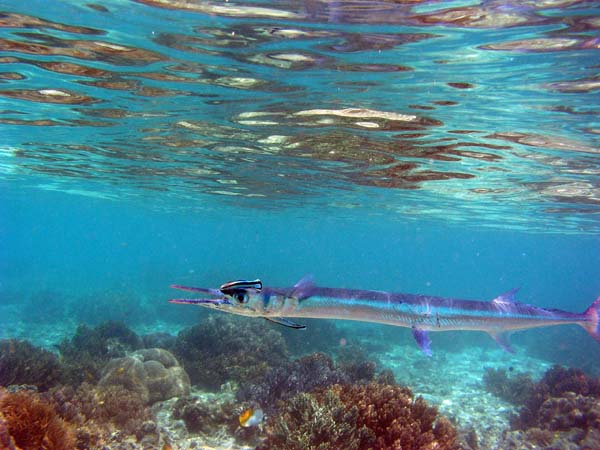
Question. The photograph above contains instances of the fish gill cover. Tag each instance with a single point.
(439, 148)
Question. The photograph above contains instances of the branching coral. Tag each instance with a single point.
(396, 419)
(33, 423)
(23, 363)
(357, 417)
(316, 423)
(224, 348)
(305, 374)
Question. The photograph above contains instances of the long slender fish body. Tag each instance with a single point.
(421, 313)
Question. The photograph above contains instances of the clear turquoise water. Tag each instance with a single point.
(432, 148)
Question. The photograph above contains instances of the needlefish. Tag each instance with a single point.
(422, 313)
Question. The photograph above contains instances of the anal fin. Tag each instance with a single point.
(286, 323)
(502, 338)
(423, 340)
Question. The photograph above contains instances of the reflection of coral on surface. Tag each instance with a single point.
(28, 422)
(356, 417)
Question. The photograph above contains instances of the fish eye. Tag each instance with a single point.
(241, 297)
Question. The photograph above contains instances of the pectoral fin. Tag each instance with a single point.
(286, 323)
(423, 341)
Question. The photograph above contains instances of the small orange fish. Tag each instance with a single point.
(251, 417)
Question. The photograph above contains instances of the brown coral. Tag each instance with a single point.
(102, 407)
(396, 419)
(314, 422)
(359, 417)
(34, 424)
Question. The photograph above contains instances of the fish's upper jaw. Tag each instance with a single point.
(201, 301)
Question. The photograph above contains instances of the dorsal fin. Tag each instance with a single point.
(303, 288)
(507, 297)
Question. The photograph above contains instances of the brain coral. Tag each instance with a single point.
(153, 373)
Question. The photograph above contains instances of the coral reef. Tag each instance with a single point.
(90, 349)
(224, 348)
(206, 415)
(308, 422)
(514, 389)
(561, 411)
(555, 383)
(31, 423)
(159, 340)
(23, 363)
(99, 412)
(305, 374)
(154, 374)
(357, 417)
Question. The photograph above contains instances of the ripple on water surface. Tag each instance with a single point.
(405, 109)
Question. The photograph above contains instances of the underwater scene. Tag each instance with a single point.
(289, 225)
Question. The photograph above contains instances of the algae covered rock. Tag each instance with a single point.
(23, 363)
(153, 373)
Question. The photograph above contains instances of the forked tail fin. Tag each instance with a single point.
(592, 324)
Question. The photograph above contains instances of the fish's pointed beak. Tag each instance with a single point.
(210, 291)
(220, 300)
(200, 301)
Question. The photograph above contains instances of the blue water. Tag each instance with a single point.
(448, 149)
